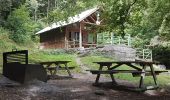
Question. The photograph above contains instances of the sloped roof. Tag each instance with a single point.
(74, 19)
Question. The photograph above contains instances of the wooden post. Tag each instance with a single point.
(143, 54)
(65, 38)
(129, 40)
(80, 36)
(151, 56)
(119, 40)
(112, 39)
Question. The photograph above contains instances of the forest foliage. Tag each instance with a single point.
(146, 20)
(141, 18)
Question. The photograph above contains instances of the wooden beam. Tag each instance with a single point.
(66, 38)
(90, 23)
(86, 20)
(94, 16)
(93, 19)
(80, 36)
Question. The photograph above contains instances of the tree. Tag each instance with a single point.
(20, 23)
(33, 5)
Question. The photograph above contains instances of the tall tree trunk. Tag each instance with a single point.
(35, 15)
(48, 7)
(55, 4)
(125, 17)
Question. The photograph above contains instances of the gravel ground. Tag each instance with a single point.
(78, 88)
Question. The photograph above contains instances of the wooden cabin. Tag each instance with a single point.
(77, 32)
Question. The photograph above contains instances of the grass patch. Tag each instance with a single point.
(88, 61)
(37, 57)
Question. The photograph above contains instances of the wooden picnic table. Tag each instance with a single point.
(53, 66)
(139, 69)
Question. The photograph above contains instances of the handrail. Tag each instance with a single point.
(145, 54)
(109, 38)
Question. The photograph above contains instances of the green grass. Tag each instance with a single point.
(41, 57)
(88, 61)
(162, 79)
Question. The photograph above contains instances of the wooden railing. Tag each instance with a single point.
(109, 38)
(75, 44)
(72, 44)
(144, 54)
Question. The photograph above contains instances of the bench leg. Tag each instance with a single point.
(69, 73)
(153, 74)
(112, 77)
(142, 76)
(98, 75)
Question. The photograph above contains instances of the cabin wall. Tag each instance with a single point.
(71, 37)
(53, 39)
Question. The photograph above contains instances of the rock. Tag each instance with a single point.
(151, 92)
(120, 52)
(99, 92)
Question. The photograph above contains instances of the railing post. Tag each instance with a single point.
(119, 40)
(143, 53)
(129, 40)
(112, 38)
(102, 38)
(97, 40)
(151, 56)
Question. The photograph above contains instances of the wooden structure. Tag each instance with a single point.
(109, 38)
(77, 32)
(53, 66)
(139, 69)
(16, 67)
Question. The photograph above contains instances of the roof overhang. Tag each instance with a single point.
(77, 18)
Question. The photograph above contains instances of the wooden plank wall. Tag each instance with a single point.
(53, 38)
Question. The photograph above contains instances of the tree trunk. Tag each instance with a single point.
(48, 6)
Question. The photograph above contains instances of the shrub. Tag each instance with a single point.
(23, 27)
(162, 54)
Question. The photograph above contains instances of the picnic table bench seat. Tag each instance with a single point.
(113, 71)
(52, 67)
(135, 73)
(60, 68)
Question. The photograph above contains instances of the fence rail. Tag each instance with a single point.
(109, 38)
(145, 54)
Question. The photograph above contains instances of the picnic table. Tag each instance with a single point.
(139, 69)
(53, 66)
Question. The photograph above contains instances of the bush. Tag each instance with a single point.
(162, 54)
(23, 27)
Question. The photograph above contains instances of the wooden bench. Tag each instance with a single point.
(139, 69)
(53, 66)
(16, 67)
(113, 71)
(134, 73)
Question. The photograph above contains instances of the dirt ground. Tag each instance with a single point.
(80, 87)
(77, 88)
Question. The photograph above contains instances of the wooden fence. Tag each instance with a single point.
(109, 38)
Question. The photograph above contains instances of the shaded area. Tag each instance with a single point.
(78, 88)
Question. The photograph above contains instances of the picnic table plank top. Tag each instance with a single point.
(125, 62)
(47, 62)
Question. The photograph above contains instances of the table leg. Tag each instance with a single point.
(112, 77)
(47, 70)
(57, 68)
(153, 74)
(142, 76)
(69, 73)
(98, 75)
